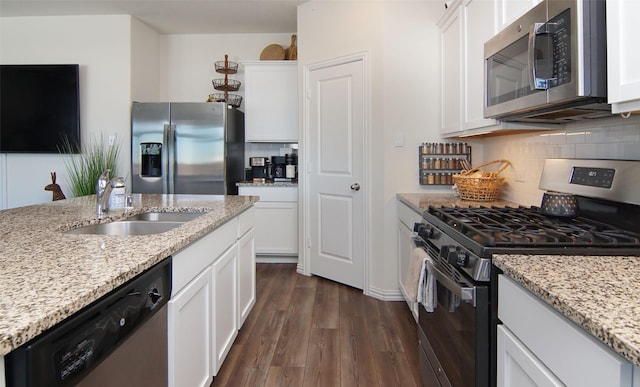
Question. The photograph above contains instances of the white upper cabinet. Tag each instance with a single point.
(623, 56)
(451, 90)
(509, 10)
(477, 28)
(463, 32)
(271, 101)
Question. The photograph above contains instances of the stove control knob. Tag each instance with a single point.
(417, 227)
(458, 257)
(463, 259)
(427, 232)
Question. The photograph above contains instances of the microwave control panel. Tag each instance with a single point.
(561, 49)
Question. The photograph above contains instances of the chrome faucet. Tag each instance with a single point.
(103, 192)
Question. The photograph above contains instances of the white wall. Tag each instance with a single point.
(187, 62)
(101, 46)
(146, 62)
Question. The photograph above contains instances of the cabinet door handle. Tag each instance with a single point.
(355, 187)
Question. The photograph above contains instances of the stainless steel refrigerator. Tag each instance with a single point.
(186, 148)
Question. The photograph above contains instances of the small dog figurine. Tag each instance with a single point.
(55, 188)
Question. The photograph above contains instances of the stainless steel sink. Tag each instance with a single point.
(142, 224)
(126, 227)
(166, 216)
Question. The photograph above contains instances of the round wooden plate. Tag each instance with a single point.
(272, 52)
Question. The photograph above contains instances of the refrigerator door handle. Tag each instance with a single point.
(170, 131)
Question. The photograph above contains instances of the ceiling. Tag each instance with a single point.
(174, 16)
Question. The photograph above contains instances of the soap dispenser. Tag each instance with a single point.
(118, 193)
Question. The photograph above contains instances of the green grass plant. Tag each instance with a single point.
(83, 169)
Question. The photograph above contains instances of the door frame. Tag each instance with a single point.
(304, 216)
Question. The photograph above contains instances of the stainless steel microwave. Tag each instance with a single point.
(550, 65)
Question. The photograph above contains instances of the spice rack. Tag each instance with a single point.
(226, 85)
(438, 162)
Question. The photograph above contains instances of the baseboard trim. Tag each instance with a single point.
(276, 259)
(386, 295)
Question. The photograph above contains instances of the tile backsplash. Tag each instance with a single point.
(618, 140)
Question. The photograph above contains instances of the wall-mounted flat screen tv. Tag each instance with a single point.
(39, 108)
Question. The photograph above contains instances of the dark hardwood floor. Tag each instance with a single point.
(309, 331)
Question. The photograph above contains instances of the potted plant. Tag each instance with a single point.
(83, 169)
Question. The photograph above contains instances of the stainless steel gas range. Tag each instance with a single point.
(457, 339)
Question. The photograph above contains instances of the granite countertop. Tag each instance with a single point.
(419, 202)
(267, 184)
(46, 275)
(600, 294)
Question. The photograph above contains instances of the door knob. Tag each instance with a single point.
(355, 187)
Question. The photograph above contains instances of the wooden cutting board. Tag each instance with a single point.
(272, 52)
(291, 53)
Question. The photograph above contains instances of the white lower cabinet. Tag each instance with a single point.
(2, 378)
(276, 230)
(518, 366)
(212, 280)
(189, 333)
(246, 275)
(538, 346)
(224, 278)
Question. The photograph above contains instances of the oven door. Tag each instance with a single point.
(454, 338)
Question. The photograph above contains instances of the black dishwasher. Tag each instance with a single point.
(70, 352)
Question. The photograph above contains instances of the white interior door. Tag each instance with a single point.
(336, 101)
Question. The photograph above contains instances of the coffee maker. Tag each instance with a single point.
(260, 168)
(278, 168)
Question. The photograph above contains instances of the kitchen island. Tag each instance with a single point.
(47, 275)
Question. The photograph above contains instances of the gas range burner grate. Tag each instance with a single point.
(526, 226)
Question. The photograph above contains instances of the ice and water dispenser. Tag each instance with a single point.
(151, 159)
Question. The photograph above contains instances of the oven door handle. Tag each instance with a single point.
(466, 294)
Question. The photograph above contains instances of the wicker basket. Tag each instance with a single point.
(226, 84)
(480, 186)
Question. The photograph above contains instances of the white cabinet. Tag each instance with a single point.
(462, 35)
(2, 379)
(246, 275)
(407, 217)
(189, 331)
(271, 101)
(509, 10)
(623, 56)
(210, 278)
(518, 366)
(224, 278)
(246, 266)
(276, 227)
(477, 27)
(540, 342)
(451, 87)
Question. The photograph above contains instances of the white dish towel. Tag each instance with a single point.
(427, 293)
(414, 271)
